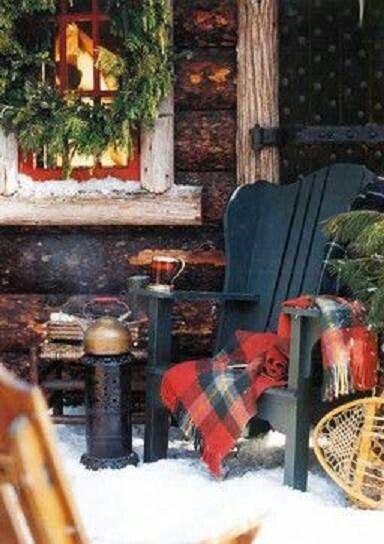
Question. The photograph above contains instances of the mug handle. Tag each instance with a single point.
(182, 266)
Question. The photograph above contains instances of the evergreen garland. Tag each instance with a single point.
(362, 269)
(41, 117)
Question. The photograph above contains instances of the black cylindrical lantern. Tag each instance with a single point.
(107, 396)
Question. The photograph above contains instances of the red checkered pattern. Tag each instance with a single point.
(213, 399)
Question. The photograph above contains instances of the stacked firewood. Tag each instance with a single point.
(64, 337)
(68, 330)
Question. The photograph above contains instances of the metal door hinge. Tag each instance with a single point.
(311, 135)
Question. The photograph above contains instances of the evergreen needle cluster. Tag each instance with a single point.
(32, 106)
(362, 268)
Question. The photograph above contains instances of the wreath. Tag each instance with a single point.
(62, 123)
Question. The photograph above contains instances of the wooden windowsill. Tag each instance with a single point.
(180, 205)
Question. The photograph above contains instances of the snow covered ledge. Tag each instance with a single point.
(153, 201)
(179, 205)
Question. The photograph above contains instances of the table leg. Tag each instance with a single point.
(58, 396)
(33, 366)
(159, 358)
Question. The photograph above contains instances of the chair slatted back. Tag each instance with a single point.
(35, 500)
(275, 242)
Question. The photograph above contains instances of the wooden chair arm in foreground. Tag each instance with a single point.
(35, 502)
(34, 496)
(246, 536)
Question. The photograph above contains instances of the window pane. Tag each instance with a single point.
(75, 54)
(78, 6)
(57, 48)
(114, 158)
(109, 48)
(81, 161)
(80, 73)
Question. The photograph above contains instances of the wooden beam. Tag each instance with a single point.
(157, 173)
(257, 87)
(9, 164)
(210, 257)
(207, 80)
(180, 205)
(205, 23)
(157, 151)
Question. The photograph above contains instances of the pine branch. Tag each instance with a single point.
(346, 227)
(362, 270)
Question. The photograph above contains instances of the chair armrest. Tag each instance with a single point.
(305, 331)
(301, 312)
(248, 298)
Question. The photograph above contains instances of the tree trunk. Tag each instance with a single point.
(257, 87)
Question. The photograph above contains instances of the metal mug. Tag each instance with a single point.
(164, 271)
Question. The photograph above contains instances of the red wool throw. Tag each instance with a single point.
(348, 347)
(214, 399)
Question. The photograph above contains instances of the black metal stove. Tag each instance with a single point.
(108, 397)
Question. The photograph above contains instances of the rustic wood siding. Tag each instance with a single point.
(205, 99)
(42, 267)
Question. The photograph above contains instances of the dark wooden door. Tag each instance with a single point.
(331, 73)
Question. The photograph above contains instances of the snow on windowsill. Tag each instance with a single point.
(108, 187)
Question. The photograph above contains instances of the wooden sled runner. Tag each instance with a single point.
(246, 536)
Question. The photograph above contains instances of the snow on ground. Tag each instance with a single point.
(177, 502)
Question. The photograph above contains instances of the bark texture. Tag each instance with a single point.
(205, 141)
(257, 87)
(205, 23)
(206, 81)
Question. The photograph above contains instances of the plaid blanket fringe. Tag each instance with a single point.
(348, 348)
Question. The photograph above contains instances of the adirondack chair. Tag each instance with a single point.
(35, 502)
(274, 248)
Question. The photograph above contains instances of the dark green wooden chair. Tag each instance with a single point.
(274, 248)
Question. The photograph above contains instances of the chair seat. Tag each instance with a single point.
(275, 403)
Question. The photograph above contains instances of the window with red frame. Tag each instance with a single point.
(82, 27)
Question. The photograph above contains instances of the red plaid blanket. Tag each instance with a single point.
(215, 398)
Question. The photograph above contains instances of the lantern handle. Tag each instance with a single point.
(106, 300)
